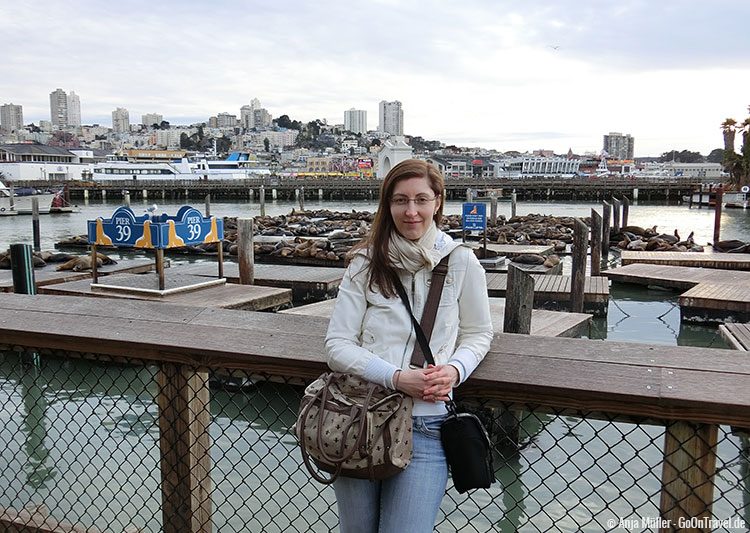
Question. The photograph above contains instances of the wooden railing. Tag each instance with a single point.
(691, 390)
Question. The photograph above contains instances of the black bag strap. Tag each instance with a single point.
(422, 351)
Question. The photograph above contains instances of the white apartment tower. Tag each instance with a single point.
(11, 118)
(355, 120)
(120, 120)
(149, 119)
(619, 146)
(58, 108)
(74, 109)
(391, 118)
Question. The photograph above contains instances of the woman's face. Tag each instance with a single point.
(413, 204)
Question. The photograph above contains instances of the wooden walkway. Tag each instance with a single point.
(514, 250)
(226, 296)
(543, 323)
(554, 291)
(736, 335)
(712, 295)
(49, 275)
(307, 283)
(688, 259)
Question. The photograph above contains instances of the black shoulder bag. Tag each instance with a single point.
(465, 440)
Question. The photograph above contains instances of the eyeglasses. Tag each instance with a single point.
(419, 201)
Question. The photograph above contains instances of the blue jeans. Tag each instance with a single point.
(406, 502)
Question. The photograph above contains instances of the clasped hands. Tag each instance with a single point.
(431, 384)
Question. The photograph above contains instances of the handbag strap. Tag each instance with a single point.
(422, 351)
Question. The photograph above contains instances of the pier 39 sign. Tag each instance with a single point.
(125, 229)
(474, 216)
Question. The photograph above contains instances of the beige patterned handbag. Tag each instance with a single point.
(351, 427)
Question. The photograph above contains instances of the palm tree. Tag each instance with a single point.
(728, 130)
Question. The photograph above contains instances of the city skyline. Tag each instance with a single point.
(552, 75)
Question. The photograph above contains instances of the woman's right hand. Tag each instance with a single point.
(411, 382)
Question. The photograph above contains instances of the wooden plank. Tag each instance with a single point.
(37, 519)
(287, 276)
(736, 335)
(520, 299)
(249, 297)
(514, 250)
(688, 259)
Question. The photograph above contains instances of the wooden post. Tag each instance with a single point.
(616, 209)
(717, 213)
(625, 210)
(700, 197)
(469, 195)
(220, 250)
(94, 265)
(22, 269)
(35, 224)
(606, 216)
(493, 209)
(688, 469)
(519, 301)
(245, 251)
(262, 201)
(160, 267)
(184, 442)
(513, 204)
(12, 197)
(596, 243)
(208, 205)
(127, 198)
(302, 198)
(578, 275)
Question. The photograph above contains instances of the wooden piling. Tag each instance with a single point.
(717, 213)
(245, 251)
(126, 198)
(606, 216)
(616, 210)
(302, 198)
(493, 209)
(513, 204)
(184, 442)
(22, 269)
(578, 274)
(37, 235)
(160, 267)
(519, 301)
(625, 210)
(262, 201)
(12, 193)
(94, 265)
(596, 243)
(688, 471)
(208, 205)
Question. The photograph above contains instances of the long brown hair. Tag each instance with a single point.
(383, 276)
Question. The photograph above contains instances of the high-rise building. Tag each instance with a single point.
(58, 108)
(247, 114)
(74, 109)
(226, 120)
(261, 118)
(149, 119)
(120, 120)
(619, 146)
(11, 118)
(355, 120)
(391, 118)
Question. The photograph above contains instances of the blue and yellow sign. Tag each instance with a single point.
(189, 227)
(474, 216)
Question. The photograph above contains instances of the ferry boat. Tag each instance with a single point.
(20, 202)
(237, 166)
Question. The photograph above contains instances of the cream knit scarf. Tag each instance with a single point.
(412, 256)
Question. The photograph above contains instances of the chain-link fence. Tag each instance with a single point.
(84, 446)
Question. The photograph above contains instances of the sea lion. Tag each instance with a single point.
(529, 259)
(83, 262)
(552, 260)
(730, 245)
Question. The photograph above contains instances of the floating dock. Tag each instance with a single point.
(308, 284)
(688, 259)
(145, 287)
(49, 275)
(554, 291)
(736, 335)
(712, 295)
(514, 250)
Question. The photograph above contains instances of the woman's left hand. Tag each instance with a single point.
(440, 381)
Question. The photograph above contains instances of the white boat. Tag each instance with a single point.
(730, 199)
(21, 201)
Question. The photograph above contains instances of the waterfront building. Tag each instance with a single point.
(619, 146)
(11, 118)
(58, 108)
(457, 166)
(528, 166)
(355, 120)
(41, 162)
(391, 118)
(120, 120)
(707, 171)
(149, 119)
(74, 110)
(394, 151)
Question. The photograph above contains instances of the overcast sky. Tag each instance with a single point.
(520, 75)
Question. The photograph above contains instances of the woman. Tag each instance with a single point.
(371, 335)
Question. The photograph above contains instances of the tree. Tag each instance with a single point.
(727, 130)
(716, 156)
(164, 125)
(685, 156)
(737, 165)
(267, 144)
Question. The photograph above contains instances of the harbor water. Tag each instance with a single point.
(83, 428)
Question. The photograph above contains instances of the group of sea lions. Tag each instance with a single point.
(76, 263)
(649, 240)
